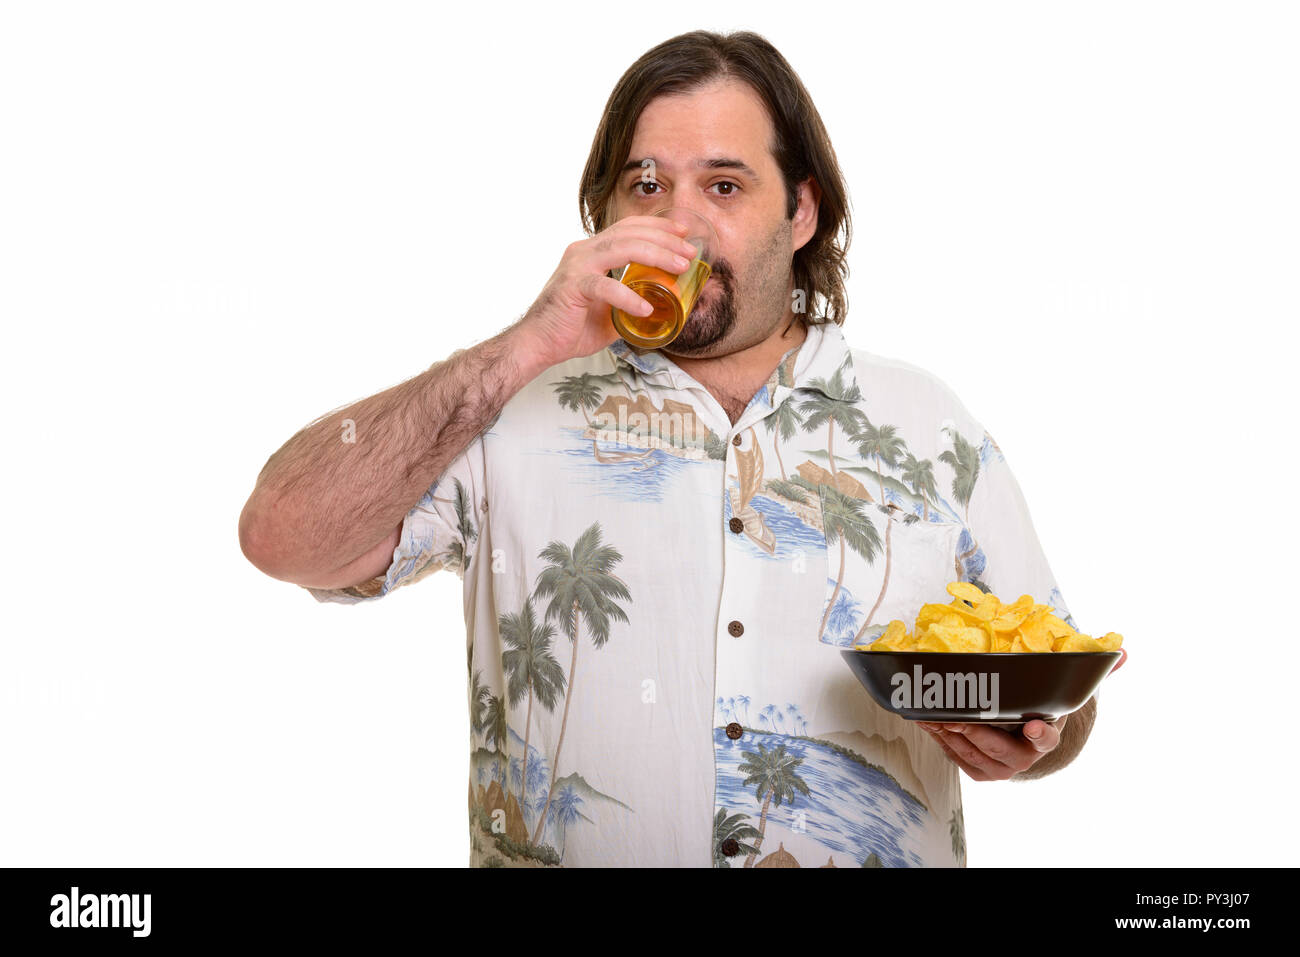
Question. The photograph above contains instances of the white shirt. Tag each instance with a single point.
(704, 716)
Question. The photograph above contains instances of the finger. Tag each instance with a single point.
(1014, 749)
(1123, 657)
(610, 252)
(1000, 743)
(972, 772)
(609, 290)
(667, 238)
(1043, 737)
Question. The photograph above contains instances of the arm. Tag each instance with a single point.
(327, 513)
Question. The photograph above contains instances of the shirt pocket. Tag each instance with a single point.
(882, 563)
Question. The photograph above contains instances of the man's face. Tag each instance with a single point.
(712, 154)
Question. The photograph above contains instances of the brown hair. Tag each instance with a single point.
(802, 148)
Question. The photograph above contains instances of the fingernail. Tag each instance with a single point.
(680, 262)
(1035, 732)
(928, 726)
(953, 727)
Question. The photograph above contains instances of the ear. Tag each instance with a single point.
(804, 224)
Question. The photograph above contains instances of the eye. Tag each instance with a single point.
(644, 183)
(731, 187)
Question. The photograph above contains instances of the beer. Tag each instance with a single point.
(672, 297)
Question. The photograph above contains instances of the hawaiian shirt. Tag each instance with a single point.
(656, 601)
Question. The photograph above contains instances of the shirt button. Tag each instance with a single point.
(736, 629)
(734, 731)
(736, 525)
(731, 847)
(735, 440)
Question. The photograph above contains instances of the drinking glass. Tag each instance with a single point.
(671, 296)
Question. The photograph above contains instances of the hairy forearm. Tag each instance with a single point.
(343, 483)
(1073, 737)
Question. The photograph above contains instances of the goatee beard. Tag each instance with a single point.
(708, 325)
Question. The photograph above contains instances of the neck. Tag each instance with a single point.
(733, 378)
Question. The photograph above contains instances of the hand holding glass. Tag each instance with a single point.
(672, 297)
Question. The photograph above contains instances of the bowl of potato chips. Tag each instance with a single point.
(979, 659)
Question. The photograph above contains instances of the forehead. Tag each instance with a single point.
(722, 119)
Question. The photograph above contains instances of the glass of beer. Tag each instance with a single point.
(672, 296)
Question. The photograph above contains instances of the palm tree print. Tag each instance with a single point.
(565, 812)
(535, 784)
(494, 724)
(530, 670)
(792, 713)
(478, 695)
(579, 393)
(832, 405)
(458, 555)
(582, 588)
(843, 615)
(737, 828)
(965, 461)
(773, 775)
(919, 474)
(846, 522)
(785, 423)
(743, 701)
(957, 831)
(882, 443)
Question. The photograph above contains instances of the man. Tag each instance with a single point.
(663, 552)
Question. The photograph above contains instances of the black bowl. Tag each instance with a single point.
(986, 688)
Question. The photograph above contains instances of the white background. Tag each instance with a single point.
(219, 221)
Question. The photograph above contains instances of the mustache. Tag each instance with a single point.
(726, 277)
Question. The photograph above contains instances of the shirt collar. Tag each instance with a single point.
(822, 363)
(649, 363)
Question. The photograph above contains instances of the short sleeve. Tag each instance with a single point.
(440, 531)
(998, 548)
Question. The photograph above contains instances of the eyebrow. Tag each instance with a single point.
(720, 162)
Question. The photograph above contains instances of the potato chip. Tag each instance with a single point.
(977, 621)
(932, 613)
(1080, 643)
(1036, 639)
(965, 590)
(1057, 627)
(1110, 641)
(933, 641)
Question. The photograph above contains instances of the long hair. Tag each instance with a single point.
(801, 147)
